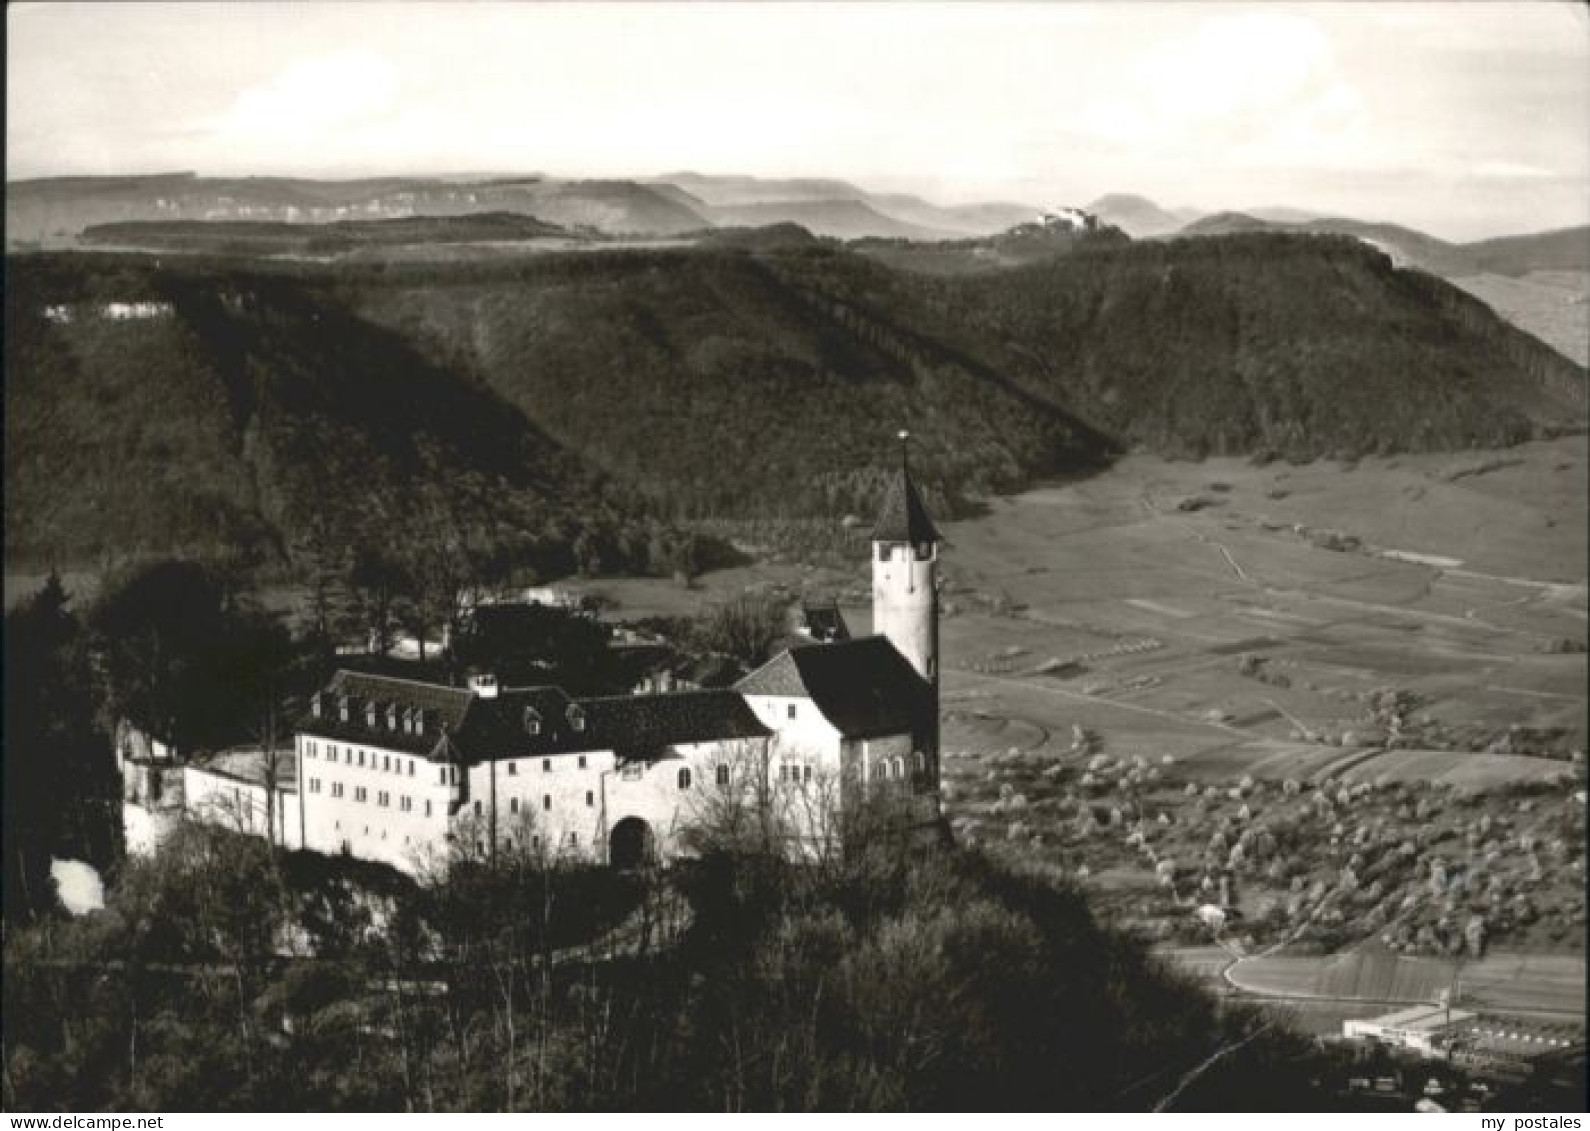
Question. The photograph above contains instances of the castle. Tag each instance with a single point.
(405, 773)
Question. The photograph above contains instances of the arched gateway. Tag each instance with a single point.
(631, 844)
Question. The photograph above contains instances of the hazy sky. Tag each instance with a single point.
(1465, 119)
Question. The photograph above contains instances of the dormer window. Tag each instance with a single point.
(532, 721)
(344, 706)
(315, 704)
(391, 716)
(576, 716)
(370, 712)
(419, 722)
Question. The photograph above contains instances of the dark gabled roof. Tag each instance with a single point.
(462, 726)
(497, 728)
(904, 517)
(444, 707)
(863, 687)
(640, 726)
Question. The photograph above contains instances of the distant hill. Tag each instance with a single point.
(1225, 224)
(730, 191)
(1563, 249)
(557, 402)
(1023, 244)
(1566, 249)
(796, 200)
(984, 218)
(54, 211)
(1280, 214)
(256, 237)
(840, 219)
(1138, 216)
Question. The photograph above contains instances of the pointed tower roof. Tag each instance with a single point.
(904, 517)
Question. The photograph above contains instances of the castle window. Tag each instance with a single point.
(369, 715)
(477, 808)
(386, 763)
(921, 762)
(419, 722)
(427, 808)
(392, 716)
(360, 793)
(723, 774)
(546, 765)
(361, 757)
(807, 772)
(336, 789)
(576, 717)
(883, 551)
(513, 805)
(532, 721)
(314, 705)
(441, 775)
(792, 710)
(899, 768)
(684, 777)
(590, 799)
(582, 761)
(546, 802)
(411, 767)
(343, 707)
(513, 769)
(574, 839)
(924, 551)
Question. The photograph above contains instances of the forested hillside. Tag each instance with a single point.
(279, 409)
(219, 414)
(1295, 346)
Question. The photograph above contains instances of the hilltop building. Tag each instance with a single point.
(404, 772)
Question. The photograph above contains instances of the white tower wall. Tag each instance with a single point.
(905, 603)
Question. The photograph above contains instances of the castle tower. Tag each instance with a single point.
(905, 596)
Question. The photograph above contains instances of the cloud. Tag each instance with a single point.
(315, 96)
(1511, 171)
(1247, 83)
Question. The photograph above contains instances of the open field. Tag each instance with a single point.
(1184, 655)
(1226, 632)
